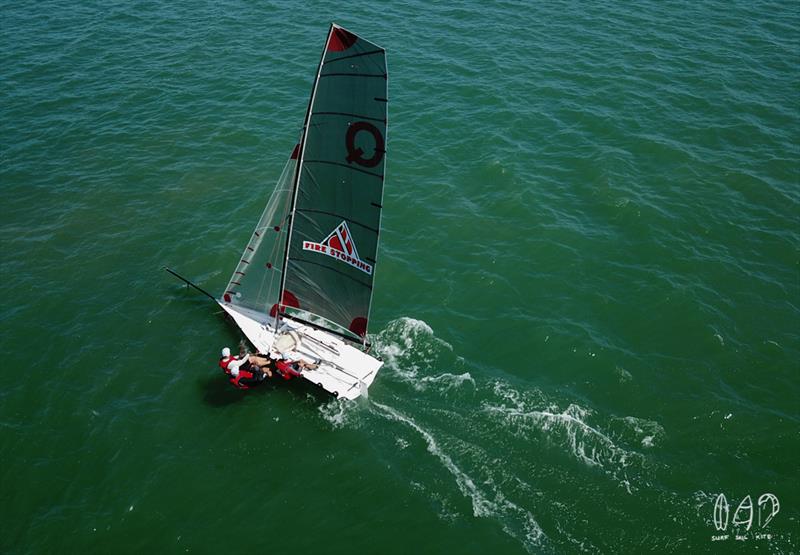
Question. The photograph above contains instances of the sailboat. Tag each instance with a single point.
(303, 286)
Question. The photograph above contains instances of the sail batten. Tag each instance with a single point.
(342, 164)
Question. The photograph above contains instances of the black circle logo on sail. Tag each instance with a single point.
(356, 154)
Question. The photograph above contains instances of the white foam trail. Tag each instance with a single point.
(481, 505)
(404, 335)
(340, 413)
(448, 381)
(586, 443)
(647, 432)
(410, 349)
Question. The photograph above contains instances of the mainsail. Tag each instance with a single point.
(329, 264)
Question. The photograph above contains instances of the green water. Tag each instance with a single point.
(587, 292)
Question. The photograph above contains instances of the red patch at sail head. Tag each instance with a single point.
(341, 40)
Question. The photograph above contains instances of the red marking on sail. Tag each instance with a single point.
(359, 326)
(341, 40)
(295, 152)
(227, 298)
(289, 299)
(335, 244)
(340, 240)
(348, 244)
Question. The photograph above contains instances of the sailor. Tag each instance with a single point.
(288, 368)
(243, 379)
(246, 369)
(228, 363)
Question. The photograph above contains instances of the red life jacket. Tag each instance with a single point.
(224, 362)
(286, 369)
(243, 375)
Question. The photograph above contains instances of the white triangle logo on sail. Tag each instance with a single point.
(339, 244)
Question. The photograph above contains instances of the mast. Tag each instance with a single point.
(297, 176)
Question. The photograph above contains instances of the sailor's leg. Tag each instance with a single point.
(259, 360)
(262, 363)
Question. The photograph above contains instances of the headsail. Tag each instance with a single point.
(256, 281)
(338, 190)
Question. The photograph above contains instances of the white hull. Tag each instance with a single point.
(343, 370)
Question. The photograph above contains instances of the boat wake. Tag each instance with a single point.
(563, 428)
(482, 433)
(493, 503)
(409, 349)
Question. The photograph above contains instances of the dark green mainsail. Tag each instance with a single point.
(338, 189)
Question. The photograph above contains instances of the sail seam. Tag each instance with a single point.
(345, 218)
(354, 56)
(348, 166)
(383, 75)
(381, 120)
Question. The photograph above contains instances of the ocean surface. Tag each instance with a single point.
(587, 293)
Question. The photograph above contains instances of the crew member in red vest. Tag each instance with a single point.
(245, 370)
(288, 369)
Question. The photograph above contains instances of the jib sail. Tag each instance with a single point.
(255, 283)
